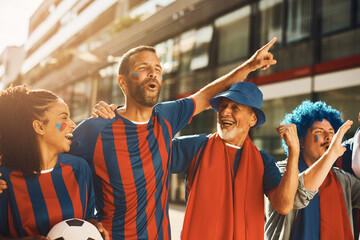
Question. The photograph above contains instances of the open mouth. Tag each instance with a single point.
(152, 85)
(69, 135)
(227, 123)
(326, 145)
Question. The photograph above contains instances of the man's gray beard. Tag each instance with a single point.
(225, 134)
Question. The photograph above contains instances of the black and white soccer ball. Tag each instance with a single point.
(74, 229)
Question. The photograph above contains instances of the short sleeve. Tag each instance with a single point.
(85, 137)
(184, 151)
(178, 113)
(272, 175)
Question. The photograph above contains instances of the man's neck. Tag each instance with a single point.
(308, 161)
(135, 112)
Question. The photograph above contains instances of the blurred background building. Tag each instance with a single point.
(73, 49)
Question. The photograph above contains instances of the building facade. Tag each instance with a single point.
(74, 48)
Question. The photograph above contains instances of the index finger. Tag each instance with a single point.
(267, 46)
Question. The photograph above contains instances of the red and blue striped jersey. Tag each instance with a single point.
(130, 163)
(33, 205)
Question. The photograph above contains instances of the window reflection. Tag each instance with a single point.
(335, 14)
(187, 42)
(340, 45)
(299, 19)
(80, 104)
(200, 57)
(271, 13)
(233, 35)
(347, 101)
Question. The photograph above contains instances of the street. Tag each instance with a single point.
(176, 220)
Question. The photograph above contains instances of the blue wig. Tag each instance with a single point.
(307, 113)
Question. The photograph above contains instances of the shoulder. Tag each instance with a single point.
(192, 138)
(342, 175)
(173, 104)
(77, 163)
(5, 172)
(267, 157)
(95, 123)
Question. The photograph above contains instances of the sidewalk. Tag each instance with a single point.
(176, 219)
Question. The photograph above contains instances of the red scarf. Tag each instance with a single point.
(219, 207)
(334, 220)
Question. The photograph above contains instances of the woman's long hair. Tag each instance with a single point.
(19, 107)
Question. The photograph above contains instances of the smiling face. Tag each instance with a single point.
(57, 128)
(317, 141)
(143, 82)
(234, 121)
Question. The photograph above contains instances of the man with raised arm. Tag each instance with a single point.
(333, 191)
(130, 154)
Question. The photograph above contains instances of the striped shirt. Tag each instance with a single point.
(130, 162)
(33, 205)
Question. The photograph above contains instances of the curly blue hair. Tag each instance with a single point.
(307, 113)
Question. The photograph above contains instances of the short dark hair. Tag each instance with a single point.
(19, 107)
(307, 113)
(124, 62)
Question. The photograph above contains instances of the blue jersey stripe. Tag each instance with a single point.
(38, 204)
(112, 167)
(159, 173)
(16, 215)
(139, 179)
(63, 195)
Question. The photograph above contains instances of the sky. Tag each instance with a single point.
(14, 21)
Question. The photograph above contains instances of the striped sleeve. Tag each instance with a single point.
(178, 113)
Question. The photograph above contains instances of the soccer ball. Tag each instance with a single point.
(72, 229)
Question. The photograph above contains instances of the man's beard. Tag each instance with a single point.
(226, 134)
(138, 93)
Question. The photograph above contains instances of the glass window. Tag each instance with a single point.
(187, 43)
(118, 97)
(271, 15)
(358, 11)
(167, 56)
(204, 122)
(200, 57)
(80, 102)
(336, 14)
(347, 101)
(349, 42)
(299, 19)
(266, 137)
(105, 83)
(233, 35)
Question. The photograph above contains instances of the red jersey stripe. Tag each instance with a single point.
(158, 132)
(101, 171)
(52, 204)
(127, 178)
(149, 174)
(72, 187)
(21, 194)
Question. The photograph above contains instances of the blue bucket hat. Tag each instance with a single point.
(245, 93)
